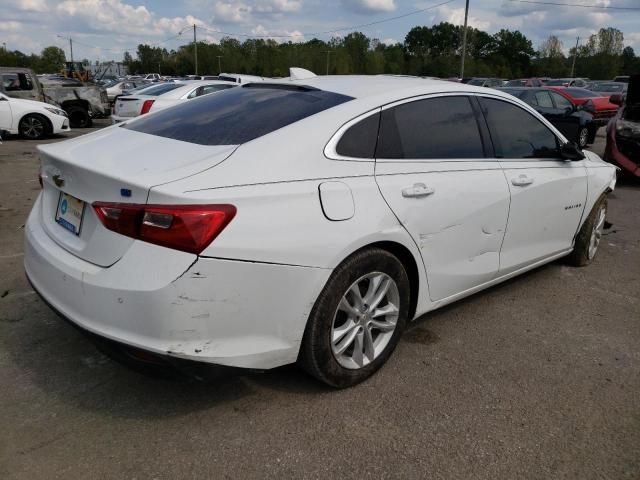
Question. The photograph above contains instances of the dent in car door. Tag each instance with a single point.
(547, 193)
(431, 170)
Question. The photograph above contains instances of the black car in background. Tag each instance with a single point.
(574, 123)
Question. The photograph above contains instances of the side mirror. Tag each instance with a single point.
(570, 110)
(571, 151)
(616, 99)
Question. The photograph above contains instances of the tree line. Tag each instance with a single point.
(426, 51)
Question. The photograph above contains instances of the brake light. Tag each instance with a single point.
(190, 228)
(146, 106)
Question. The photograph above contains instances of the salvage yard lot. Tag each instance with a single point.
(536, 378)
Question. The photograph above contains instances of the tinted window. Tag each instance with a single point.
(237, 115)
(516, 133)
(360, 140)
(561, 102)
(543, 99)
(443, 127)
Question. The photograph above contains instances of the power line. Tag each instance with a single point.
(582, 5)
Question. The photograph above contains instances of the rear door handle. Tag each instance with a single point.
(417, 190)
(522, 181)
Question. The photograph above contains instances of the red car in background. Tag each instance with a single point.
(623, 131)
(600, 107)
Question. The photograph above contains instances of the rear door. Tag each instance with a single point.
(432, 171)
(547, 193)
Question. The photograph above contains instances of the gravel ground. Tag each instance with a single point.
(537, 378)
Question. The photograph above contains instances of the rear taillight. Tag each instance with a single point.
(146, 106)
(190, 228)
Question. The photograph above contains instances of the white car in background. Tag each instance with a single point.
(190, 91)
(127, 107)
(30, 119)
(305, 221)
(116, 89)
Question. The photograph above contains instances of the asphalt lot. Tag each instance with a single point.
(538, 378)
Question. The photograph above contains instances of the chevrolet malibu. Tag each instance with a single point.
(305, 220)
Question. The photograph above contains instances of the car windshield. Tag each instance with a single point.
(581, 93)
(516, 83)
(557, 82)
(609, 87)
(109, 83)
(237, 115)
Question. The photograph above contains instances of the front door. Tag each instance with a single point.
(432, 171)
(548, 193)
(5, 114)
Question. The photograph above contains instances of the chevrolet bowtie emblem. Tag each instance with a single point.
(58, 180)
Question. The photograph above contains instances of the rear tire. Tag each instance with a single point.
(357, 320)
(78, 117)
(588, 238)
(33, 127)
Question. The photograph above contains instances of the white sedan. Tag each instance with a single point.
(188, 92)
(161, 96)
(305, 221)
(30, 119)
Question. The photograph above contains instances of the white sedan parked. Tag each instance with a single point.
(305, 221)
(30, 119)
(188, 92)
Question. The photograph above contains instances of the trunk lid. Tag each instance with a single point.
(112, 165)
(130, 106)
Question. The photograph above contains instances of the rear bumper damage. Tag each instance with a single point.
(225, 312)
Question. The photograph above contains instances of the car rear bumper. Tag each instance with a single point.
(225, 312)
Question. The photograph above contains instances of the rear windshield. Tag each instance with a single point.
(580, 93)
(159, 89)
(237, 115)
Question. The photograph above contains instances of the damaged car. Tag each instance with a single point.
(623, 131)
(304, 220)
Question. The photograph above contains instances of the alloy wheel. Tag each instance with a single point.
(365, 320)
(32, 127)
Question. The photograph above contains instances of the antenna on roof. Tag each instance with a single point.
(300, 73)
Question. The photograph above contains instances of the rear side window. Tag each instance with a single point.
(561, 102)
(435, 128)
(516, 133)
(543, 99)
(237, 115)
(360, 140)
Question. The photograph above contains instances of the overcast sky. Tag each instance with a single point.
(119, 25)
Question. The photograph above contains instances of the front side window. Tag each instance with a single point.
(434, 128)
(237, 115)
(516, 133)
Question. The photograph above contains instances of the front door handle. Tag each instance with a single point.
(417, 190)
(522, 181)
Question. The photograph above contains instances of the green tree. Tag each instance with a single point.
(52, 59)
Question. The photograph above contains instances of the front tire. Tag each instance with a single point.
(589, 236)
(583, 137)
(32, 127)
(357, 320)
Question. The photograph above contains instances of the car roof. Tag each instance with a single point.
(385, 86)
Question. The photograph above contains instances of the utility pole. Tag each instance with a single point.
(219, 67)
(71, 49)
(575, 54)
(195, 47)
(464, 39)
(328, 54)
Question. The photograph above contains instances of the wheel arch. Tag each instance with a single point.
(408, 261)
(47, 122)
